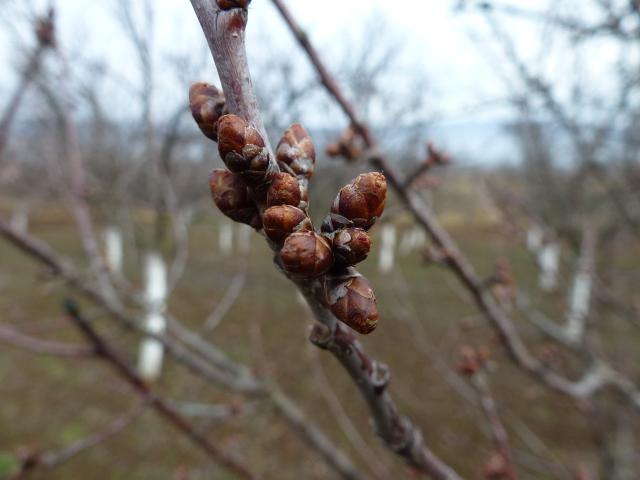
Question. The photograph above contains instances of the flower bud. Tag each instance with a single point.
(351, 246)
(230, 4)
(295, 152)
(284, 190)
(306, 255)
(229, 193)
(242, 148)
(207, 106)
(283, 220)
(351, 299)
(362, 201)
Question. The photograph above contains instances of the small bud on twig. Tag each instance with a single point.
(349, 145)
(351, 246)
(472, 360)
(46, 30)
(496, 467)
(284, 190)
(351, 299)
(207, 106)
(306, 255)
(229, 193)
(283, 220)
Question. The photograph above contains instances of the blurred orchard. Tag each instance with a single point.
(393, 240)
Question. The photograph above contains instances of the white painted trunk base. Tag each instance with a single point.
(535, 235)
(225, 237)
(548, 262)
(386, 259)
(244, 238)
(113, 249)
(152, 351)
(19, 220)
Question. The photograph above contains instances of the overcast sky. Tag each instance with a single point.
(453, 51)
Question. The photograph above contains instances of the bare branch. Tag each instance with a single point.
(163, 408)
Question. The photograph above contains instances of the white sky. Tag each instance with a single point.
(453, 50)
(437, 41)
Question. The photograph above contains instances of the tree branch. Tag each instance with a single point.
(224, 30)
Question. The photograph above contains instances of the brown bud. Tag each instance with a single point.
(295, 152)
(362, 201)
(242, 148)
(306, 255)
(472, 360)
(496, 467)
(351, 246)
(229, 193)
(283, 220)
(207, 106)
(46, 30)
(351, 299)
(230, 4)
(284, 190)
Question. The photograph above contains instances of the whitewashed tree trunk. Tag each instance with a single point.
(386, 259)
(244, 238)
(225, 237)
(152, 351)
(580, 296)
(113, 249)
(579, 301)
(20, 219)
(535, 235)
(549, 262)
(412, 240)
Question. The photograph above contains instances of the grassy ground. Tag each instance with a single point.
(425, 316)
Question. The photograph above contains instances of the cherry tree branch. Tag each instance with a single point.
(224, 31)
(599, 375)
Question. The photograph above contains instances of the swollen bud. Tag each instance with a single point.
(284, 190)
(283, 220)
(359, 203)
(351, 299)
(306, 255)
(351, 246)
(229, 193)
(207, 106)
(242, 148)
(296, 153)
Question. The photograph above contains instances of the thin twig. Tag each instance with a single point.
(595, 379)
(162, 407)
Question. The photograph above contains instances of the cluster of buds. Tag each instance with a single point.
(472, 360)
(349, 146)
(270, 194)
